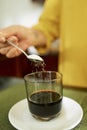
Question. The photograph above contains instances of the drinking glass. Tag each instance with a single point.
(44, 92)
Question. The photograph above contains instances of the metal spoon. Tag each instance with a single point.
(32, 57)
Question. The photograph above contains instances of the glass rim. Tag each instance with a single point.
(26, 77)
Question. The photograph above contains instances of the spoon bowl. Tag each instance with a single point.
(32, 57)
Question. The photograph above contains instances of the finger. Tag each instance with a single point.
(5, 50)
(13, 39)
(2, 37)
(3, 45)
(13, 53)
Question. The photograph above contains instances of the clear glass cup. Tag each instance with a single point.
(44, 92)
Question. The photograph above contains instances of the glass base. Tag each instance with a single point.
(45, 118)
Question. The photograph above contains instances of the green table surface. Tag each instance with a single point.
(16, 92)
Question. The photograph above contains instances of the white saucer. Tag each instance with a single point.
(70, 116)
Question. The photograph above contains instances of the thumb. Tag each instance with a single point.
(13, 39)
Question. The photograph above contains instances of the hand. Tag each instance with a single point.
(22, 36)
(19, 35)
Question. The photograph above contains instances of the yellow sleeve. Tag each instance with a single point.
(49, 20)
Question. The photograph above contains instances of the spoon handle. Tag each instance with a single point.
(34, 58)
(17, 48)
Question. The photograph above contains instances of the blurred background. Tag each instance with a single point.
(23, 12)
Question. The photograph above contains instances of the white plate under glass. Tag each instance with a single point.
(70, 116)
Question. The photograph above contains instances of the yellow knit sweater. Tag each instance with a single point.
(67, 20)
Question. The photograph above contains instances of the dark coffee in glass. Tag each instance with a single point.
(44, 94)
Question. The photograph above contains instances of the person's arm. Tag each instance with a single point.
(49, 21)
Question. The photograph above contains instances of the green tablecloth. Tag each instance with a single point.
(16, 92)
